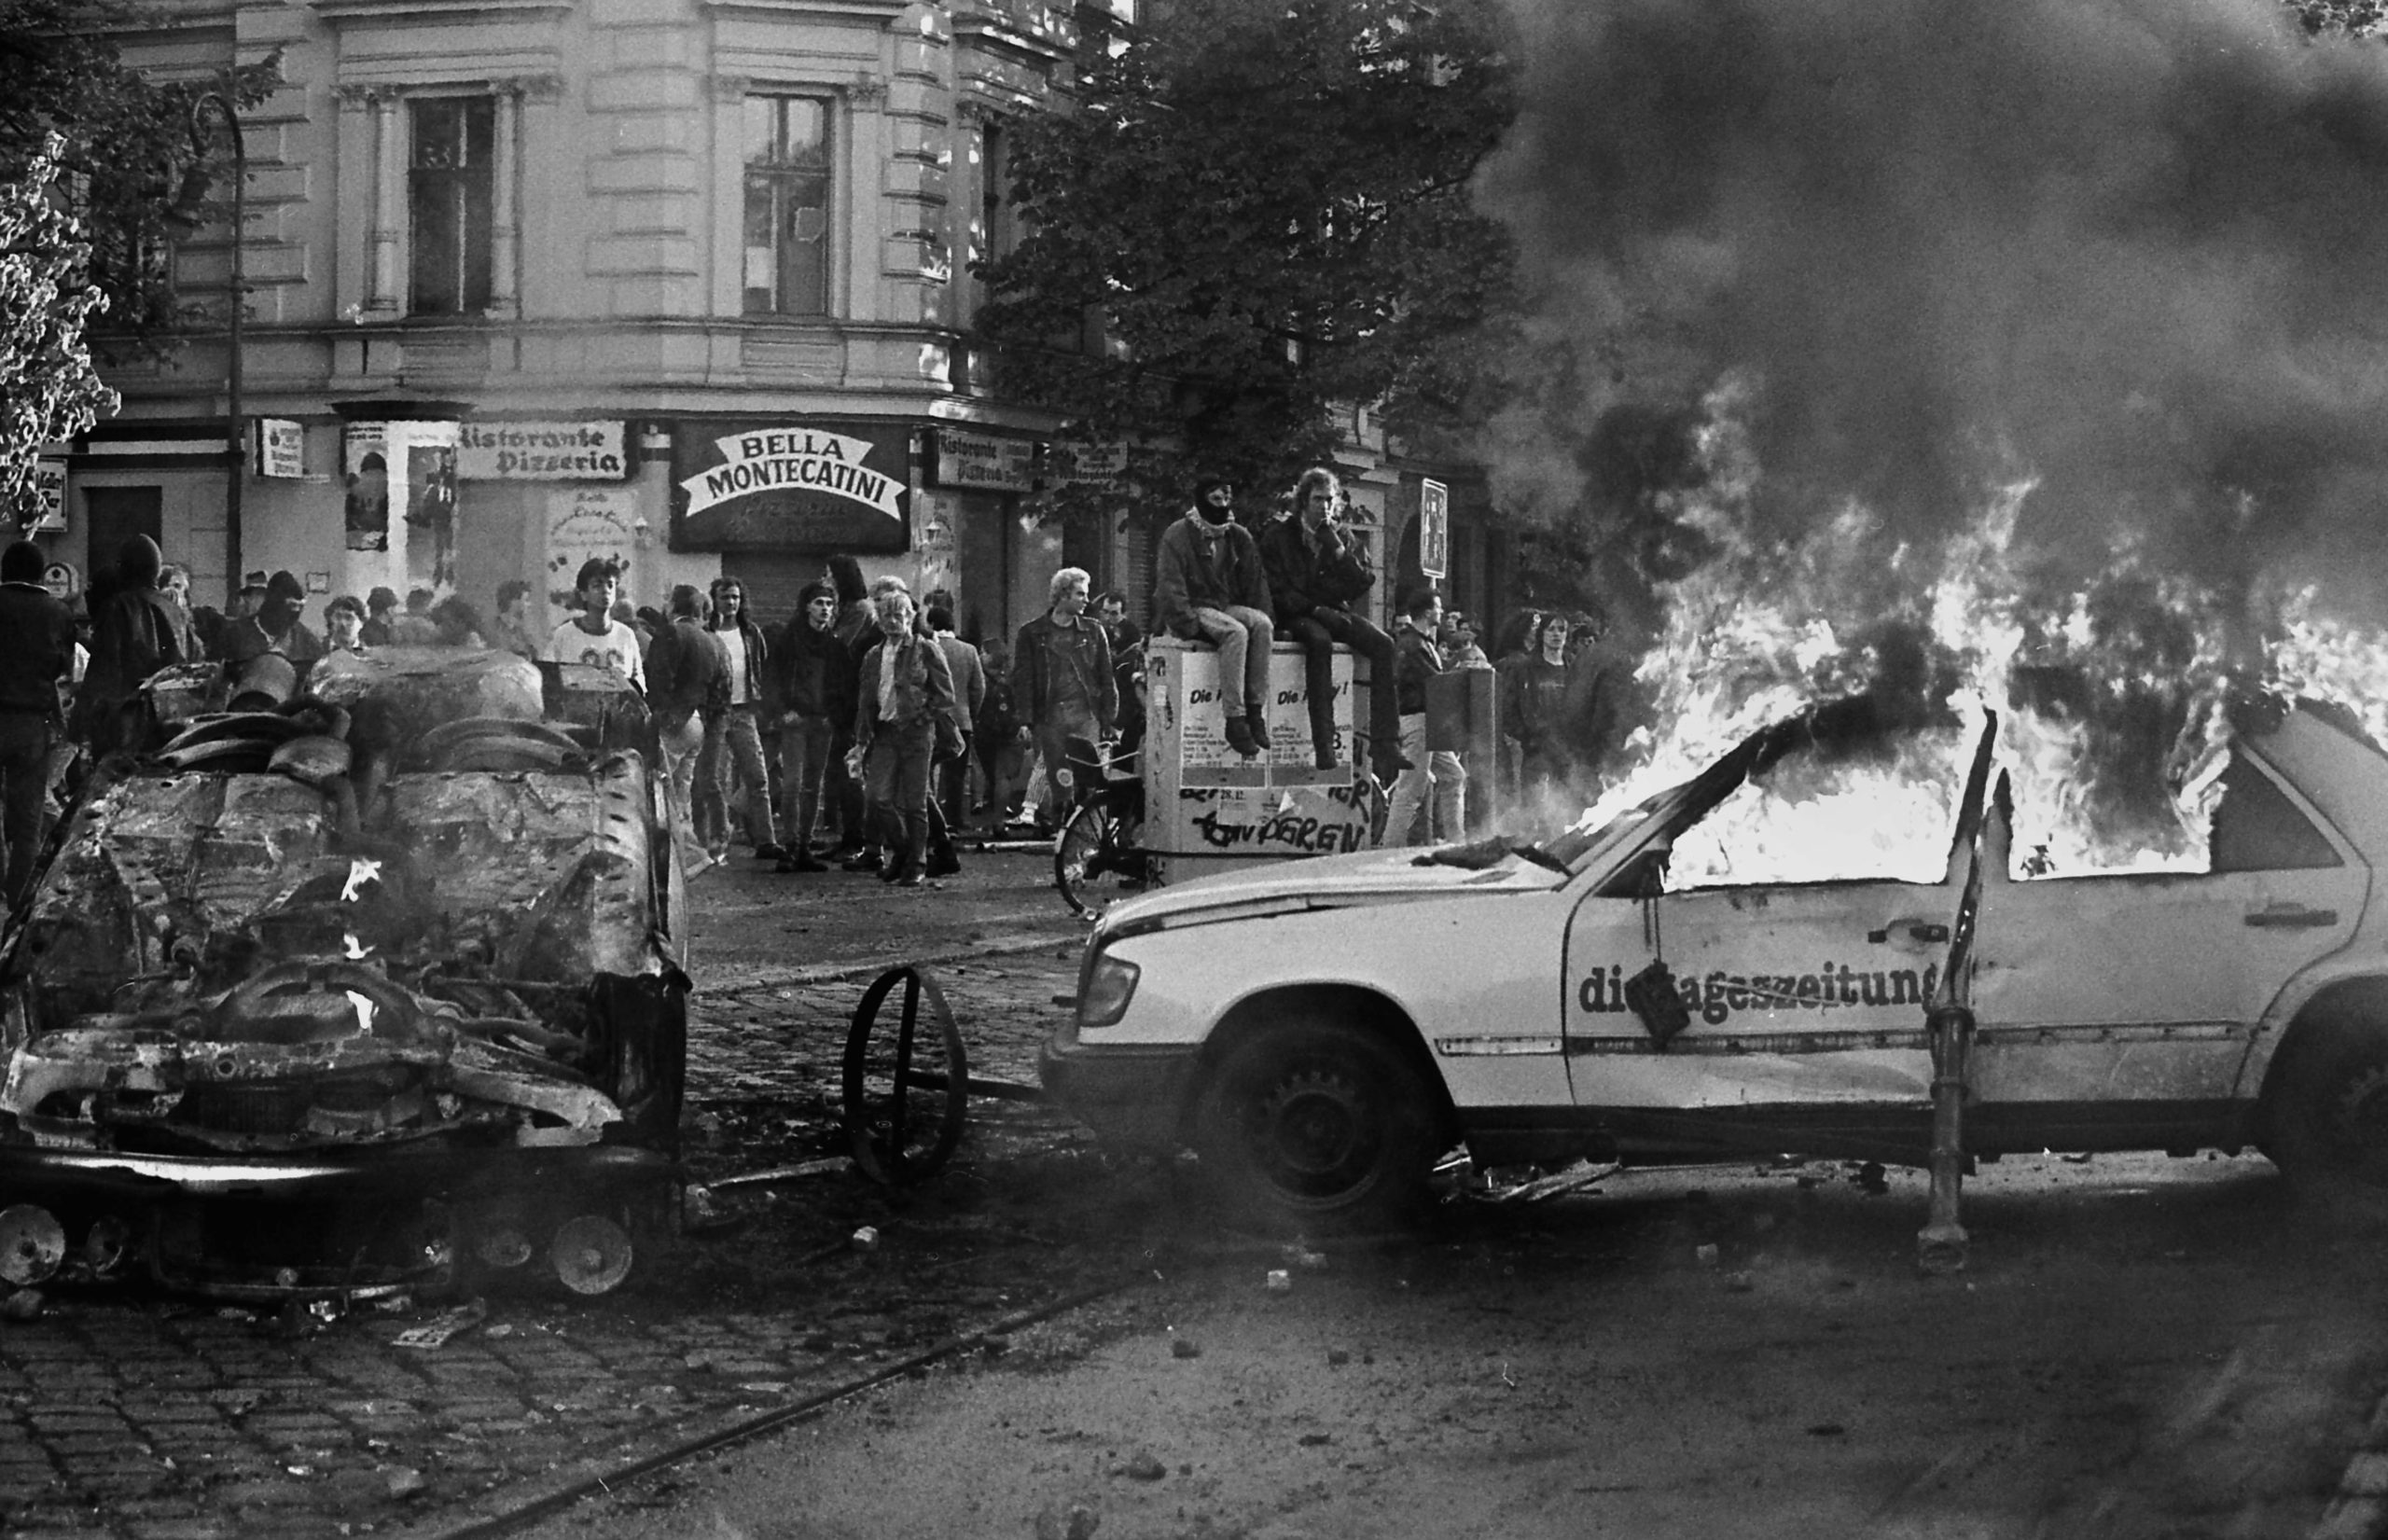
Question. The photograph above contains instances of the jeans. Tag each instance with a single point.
(25, 739)
(1061, 722)
(680, 747)
(1318, 632)
(895, 782)
(732, 741)
(951, 776)
(806, 743)
(1440, 773)
(1004, 756)
(1243, 637)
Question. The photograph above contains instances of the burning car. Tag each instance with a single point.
(353, 993)
(1320, 1032)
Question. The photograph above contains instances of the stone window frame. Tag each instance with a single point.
(388, 146)
(848, 97)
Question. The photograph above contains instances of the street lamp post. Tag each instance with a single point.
(237, 463)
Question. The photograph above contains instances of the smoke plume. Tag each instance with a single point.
(2133, 253)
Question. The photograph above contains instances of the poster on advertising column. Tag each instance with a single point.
(365, 473)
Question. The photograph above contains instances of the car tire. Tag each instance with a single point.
(2329, 1126)
(1315, 1126)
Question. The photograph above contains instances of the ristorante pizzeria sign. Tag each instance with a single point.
(780, 485)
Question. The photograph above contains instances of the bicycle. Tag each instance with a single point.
(1096, 856)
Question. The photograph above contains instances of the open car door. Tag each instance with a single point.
(1797, 1009)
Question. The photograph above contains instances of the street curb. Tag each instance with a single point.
(2360, 1510)
(841, 973)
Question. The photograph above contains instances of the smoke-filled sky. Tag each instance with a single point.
(2138, 248)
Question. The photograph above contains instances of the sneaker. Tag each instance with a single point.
(947, 868)
(1258, 725)
(861, 861)
(1240, 736)
(806, 862)
(771, 852)
(890, 873)
(911, 880)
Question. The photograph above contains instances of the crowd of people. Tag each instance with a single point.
(862, 732)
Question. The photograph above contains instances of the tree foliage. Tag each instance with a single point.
(48, 390)
(1260, 208)
(130, 147)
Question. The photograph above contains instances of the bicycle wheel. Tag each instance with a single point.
(1082, 855)
(907, 1081)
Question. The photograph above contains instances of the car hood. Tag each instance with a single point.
(1329, 881)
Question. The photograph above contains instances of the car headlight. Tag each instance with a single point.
(1110, 983)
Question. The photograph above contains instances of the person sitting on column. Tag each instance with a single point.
(1208, 586)
(1062, 680)
(1418, 660)
(903, 722)
(1316, 573)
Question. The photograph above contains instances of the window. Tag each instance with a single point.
(450, 180)
(787, 206)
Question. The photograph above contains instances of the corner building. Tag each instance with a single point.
(682, 282)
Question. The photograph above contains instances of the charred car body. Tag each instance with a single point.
(1319, 1031)
(354, 993)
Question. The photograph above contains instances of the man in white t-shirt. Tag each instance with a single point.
(595, 636)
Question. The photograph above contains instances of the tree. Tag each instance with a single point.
(130, 149)
(48, 390)
(1257, 209)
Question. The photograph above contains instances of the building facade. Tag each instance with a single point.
(681, 282)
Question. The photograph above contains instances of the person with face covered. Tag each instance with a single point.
(903, 722)
(1208, 586)
(276, 627)
(137, 631)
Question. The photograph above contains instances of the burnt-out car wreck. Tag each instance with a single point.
(377, 989)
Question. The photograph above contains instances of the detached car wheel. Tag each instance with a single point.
(2329, 1130)
(1319, 1125)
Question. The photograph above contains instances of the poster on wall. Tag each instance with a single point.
(791, 485)
(50, 498)
(585, 522)
(364, 472)
(937, 564)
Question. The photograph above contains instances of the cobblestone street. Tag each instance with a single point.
(153, 1418)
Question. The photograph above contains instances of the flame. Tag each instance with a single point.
(364, 1012)
(354, 950)
(2110, 696)
(360, 871)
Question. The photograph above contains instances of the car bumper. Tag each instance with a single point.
(1134, 1095)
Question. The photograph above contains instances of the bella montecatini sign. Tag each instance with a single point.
(790, 485)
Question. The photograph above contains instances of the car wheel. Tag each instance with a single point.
(2329, 1130)
(1316, 1125)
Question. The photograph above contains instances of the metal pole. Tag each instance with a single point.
(236, 466)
